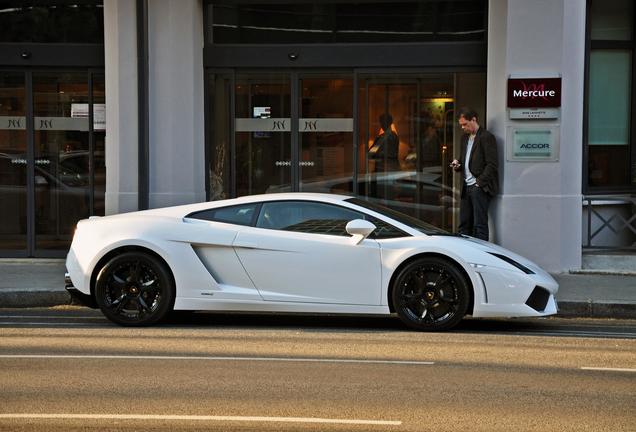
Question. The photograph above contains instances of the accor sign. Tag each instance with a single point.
(534, 92)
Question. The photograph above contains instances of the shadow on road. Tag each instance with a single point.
(329, 323)
(75, 316)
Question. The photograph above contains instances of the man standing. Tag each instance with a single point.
(478, 165)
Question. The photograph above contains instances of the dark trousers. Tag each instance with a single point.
(473, 213)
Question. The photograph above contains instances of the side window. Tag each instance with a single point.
(307, 217)
(239, 214)
(385, 230)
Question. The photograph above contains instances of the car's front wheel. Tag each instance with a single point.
(134, 289)
(430, 293)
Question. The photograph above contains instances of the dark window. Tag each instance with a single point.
(346, 22)
(611, 142)
(384, 230)
(305, 216)
(410, 221)
(319, 218)
(239, 215)
(38, 21)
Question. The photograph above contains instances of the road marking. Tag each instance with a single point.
(581, 334)
(201, 418)
(609, 369)
(52, 317)
(50, 324)
(214, 358)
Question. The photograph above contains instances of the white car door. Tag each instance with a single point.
(299, 252)
(213, 244)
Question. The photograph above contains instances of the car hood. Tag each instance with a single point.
(460, 242)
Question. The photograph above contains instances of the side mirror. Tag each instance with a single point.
(359, 229)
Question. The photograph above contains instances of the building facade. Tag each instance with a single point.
(194, 100)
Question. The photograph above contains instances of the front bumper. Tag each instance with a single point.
(508, 293)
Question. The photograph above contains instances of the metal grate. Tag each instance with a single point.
(621, 221)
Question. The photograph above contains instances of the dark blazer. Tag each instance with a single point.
(483, 161)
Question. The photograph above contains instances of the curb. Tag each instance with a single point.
(28, 299)
(596, 309)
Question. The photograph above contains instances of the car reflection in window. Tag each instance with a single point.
(419, 194)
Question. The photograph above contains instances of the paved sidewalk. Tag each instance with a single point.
(40, 282)
(32, 282)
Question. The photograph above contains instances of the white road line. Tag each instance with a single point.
(576, 334)
(51, 317)
(214, 358)
(599, 332)
(50, 324)
(201, 418)
(609, 369)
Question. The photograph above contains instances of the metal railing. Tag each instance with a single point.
(610, 213)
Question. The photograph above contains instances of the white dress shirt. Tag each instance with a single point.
(468, 176)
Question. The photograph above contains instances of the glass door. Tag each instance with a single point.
(263, 139)
(13, 163)
(405, 143)
(325, 133)
(62, 194)
(52, 171)
(291, 132)
(387, 137)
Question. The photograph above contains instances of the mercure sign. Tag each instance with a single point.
(534, 92)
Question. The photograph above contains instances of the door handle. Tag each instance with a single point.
(282, 163)
(307, 163)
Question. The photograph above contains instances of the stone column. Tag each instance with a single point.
(176, 86)
(120, 49)
(538, 211)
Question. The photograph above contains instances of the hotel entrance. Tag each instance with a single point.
(384, 136)
(339, 97)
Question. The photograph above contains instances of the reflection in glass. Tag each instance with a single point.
(62, 182)
(219, 166)
(326, 134)
(99, 141)
(346, 22)
(51, 22)
(263, 138)
(13, 162)
(405, 142)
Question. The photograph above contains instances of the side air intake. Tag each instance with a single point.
(538, 300)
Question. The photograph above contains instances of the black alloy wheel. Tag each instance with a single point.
(135, 289)
(431, 294)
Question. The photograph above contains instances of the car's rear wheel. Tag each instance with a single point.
(431, 293)
(134, 289)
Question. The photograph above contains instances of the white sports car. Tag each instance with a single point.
(297, 252)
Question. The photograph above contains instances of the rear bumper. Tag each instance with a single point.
(68, 283)
(78, 296)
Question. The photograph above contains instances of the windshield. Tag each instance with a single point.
(412, 222)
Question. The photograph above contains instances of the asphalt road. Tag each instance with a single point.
(69, 369)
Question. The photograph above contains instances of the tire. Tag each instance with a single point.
(431, 294)
(135, 289)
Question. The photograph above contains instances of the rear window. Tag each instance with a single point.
(238, 215)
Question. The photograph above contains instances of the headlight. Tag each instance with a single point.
(512, 262)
